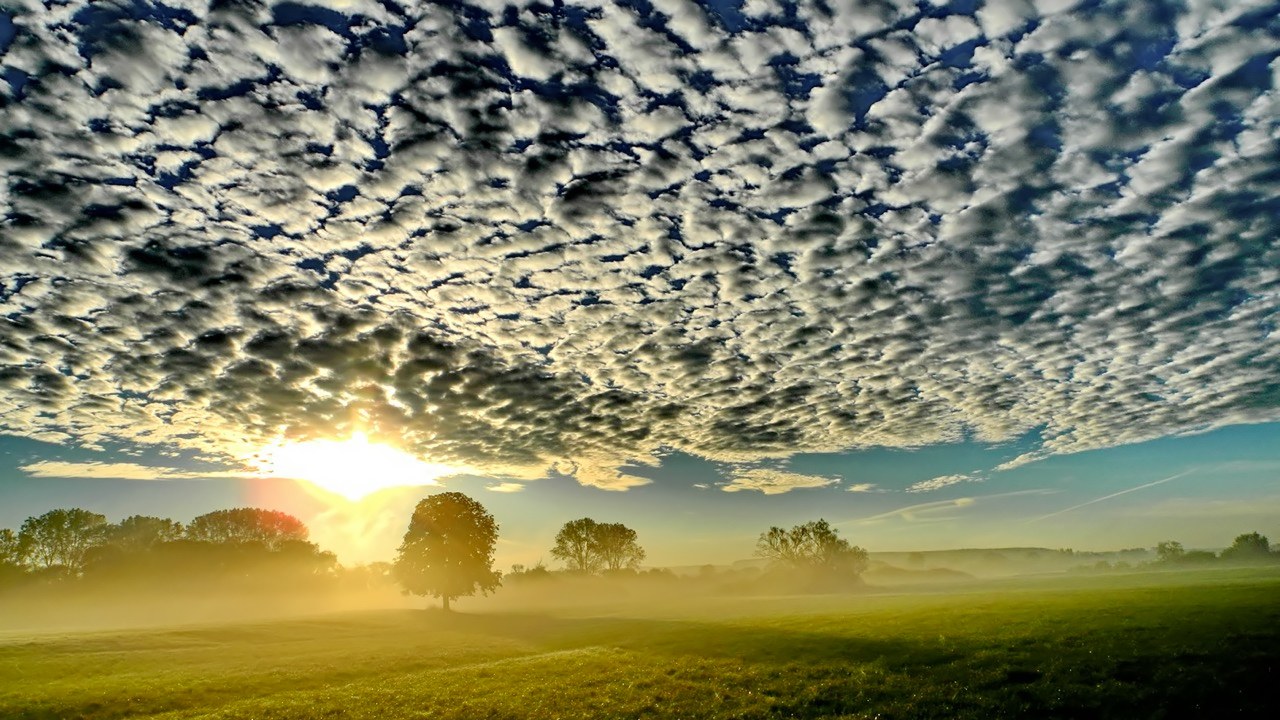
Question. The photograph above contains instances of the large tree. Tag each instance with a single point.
(447, 551)
(576, 546)
(813, 545)
(272, 528)
(60, 538)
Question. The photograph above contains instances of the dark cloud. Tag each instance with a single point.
(523, 237)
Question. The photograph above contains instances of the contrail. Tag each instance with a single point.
(1108, 497)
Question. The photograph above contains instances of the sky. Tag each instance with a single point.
(967, 274)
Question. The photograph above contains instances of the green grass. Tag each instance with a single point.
(1203, 644)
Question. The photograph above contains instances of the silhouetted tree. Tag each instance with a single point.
(616, 547)
(247, 525)
(447, 551)
(12, 550)
(576, 546)
(60, 538)
(587, 546)
(813, 545)
(1169, 551)
(1250, 546)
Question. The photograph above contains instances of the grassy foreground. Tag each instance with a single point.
(1203, 644)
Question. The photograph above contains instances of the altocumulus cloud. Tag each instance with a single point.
(530, 237)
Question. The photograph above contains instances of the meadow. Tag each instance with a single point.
(1142, 645)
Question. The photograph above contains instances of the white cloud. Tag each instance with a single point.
(505, 487)
(940, 482)
(922, 512)
(780, 242)
(118, 471)
(773, 482)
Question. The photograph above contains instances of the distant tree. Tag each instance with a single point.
(1250, 546)
(60, 538)
(271, 528)
(1169, 551)
(576, 546)
(137, 533)
(616, 547)
(813, 545)
(447, 551)
(522, 573)
(588, 546)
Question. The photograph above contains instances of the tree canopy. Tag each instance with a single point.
(60, 538)
(241, 545)
(814, 545)
(1250, 546)
(448, 549)
(575, 546)
(142, 532)
(12, 550)
(272, 528)
(587, 546)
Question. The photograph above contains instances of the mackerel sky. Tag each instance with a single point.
(941, 272)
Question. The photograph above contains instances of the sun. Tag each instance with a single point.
(352, 468)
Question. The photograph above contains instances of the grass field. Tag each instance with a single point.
(1203, 644)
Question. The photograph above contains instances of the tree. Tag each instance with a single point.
(1168, 551)
(576, 546)
(447, 551)
(588, 546)
(616, 547)
(13, 551)
(272, 528)
(1250, 546)
(60, 538)
(142, 532)
(813, 545)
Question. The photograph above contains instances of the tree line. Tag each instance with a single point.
(448, 551)
(77, 543)
(1249, 547)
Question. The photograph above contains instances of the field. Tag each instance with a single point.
(1196, 644)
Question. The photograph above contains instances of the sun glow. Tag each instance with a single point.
(352, 468)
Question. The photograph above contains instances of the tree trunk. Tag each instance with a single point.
(446, 602)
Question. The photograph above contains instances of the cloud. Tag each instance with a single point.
(117, 471)
(921, 512)
(520, 244)
(863, 487)
(506, 487)
(937, 510)
(941, 481)
(773, 482)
